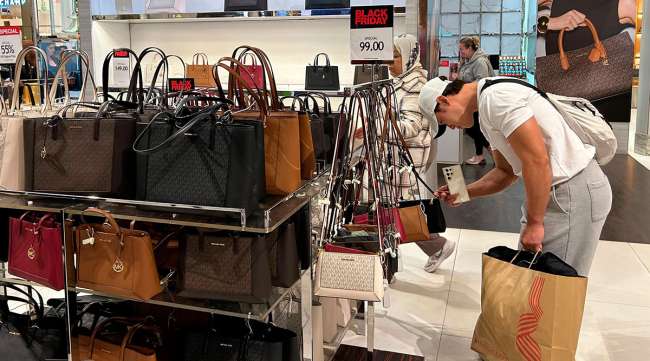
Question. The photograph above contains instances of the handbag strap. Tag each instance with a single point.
(109, 217)
(272, 100)
(248, 56)
(203, 57)
(62, 73)
(301, 103)
(597, 53)
(19, 65)
(327, 59)
(327, 105)
(100, 327)
(233, 70)
(130, 102)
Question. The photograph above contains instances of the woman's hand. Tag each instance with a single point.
(444, 195)
(568, 21)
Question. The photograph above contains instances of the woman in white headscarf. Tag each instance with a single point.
(409, 78)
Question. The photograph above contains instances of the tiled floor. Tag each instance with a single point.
(433, 315)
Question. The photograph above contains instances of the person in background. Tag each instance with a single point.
(474, 65)
(408, 78)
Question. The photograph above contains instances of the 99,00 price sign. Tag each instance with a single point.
(371, 34)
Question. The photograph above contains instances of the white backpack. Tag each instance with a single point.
(581, 116)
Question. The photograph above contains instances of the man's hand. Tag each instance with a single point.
(532, 237)
(568, 21)
(444, 195)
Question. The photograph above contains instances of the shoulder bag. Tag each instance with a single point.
(201, 73)
(307, 144)
(115, 260)
(322, 77)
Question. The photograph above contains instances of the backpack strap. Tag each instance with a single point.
(489, 82)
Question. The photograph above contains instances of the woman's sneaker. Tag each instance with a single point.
(436, 260)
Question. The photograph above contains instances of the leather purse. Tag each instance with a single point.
(322, 77)
(321, 141)
(115, 260)
(245, 5)
(36, 250)
(414, 222)
(283, 256)
(592, 72)
(253, 76)
(307, 146)
(225, 266)
(363, 74)
(347, 273)
(225, 159)
(201, 71)
(282, 141)
(97, 348)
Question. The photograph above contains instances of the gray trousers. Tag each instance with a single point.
(575, 217)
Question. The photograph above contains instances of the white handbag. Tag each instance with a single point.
(165, 6)
(351, 276)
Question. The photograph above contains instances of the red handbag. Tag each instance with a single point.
(255, 79)
(35, 250)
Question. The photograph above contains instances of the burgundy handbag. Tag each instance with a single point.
(35, 250)
(254, 77)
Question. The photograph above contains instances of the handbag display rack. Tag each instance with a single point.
(107, 249)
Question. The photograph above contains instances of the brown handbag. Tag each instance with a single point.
(307, 154)
(95, 349)
(282, 128)
(115, 260)
(201, 73)
(414, 221)
(592, 72)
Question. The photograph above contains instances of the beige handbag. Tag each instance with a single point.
(12, 143)
(349, 275)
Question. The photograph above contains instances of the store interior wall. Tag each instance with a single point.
(291, 44)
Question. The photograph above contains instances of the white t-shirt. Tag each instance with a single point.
(504, 107)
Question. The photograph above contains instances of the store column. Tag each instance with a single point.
(642, 138)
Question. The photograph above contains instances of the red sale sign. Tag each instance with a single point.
(11, 43)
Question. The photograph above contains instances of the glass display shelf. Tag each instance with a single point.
(259, 312)
(273, 211)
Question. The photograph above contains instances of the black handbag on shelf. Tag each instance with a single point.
(322, 77)
(227, 266)
(245, 5)
(315, 121)
(200, 159)
(283, 256)
(326, 4)
(331, 122)
(363, 74)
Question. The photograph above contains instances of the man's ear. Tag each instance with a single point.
(442, 100)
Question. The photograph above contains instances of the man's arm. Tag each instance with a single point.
(528, 143)
(496, 180)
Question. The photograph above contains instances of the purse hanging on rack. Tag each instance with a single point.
(115, 260)
(201, 71)
(35, 250)
(322, 77)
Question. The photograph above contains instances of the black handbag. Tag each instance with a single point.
(322, 77)
(545, 262)
(363, 74)
(245, 5)
(326, 4)
(283, 256)
(201, 161)
(316, 123)
(226, 266)
(331, 122)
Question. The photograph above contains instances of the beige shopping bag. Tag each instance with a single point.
(528, 315)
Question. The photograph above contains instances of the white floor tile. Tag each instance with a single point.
(453, 348)
(618, 276)
(614, 332)
(472, 240)
(399, 336)
(643, 252)
(463, 310)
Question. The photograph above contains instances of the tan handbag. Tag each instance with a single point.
(307, 154)
(201, 73)
(349, 275)
(95, 349)
(414, 222)
(115, 260)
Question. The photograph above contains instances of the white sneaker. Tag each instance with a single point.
(436, 260)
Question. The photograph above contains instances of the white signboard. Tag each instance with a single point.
(121, 69)
(371, 34)
(11, 43)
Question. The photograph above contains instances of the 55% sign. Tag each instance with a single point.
(371, 34)
(11, 43)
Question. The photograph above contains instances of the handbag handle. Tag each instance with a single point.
(37, 304)
(237, 76)
(327, 59)
(301, 103)
(106, 214)
(327, 105)
(130, 102)
(273, 101)
(19, 65)
(62, 73)
(247, 56)
(101, 326)
(142, 326)
(597, 53)
(203, 57)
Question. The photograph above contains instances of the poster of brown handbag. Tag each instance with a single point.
(593, 72)
(115, 260)
(201, 71)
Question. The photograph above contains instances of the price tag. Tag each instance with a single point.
(121, 69)
(11, 43)
(181, 84)
(371, 34)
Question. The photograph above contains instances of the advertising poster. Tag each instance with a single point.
(585, 48)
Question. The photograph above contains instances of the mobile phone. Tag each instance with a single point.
(456, 183)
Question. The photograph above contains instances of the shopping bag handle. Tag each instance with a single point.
(531, 262)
